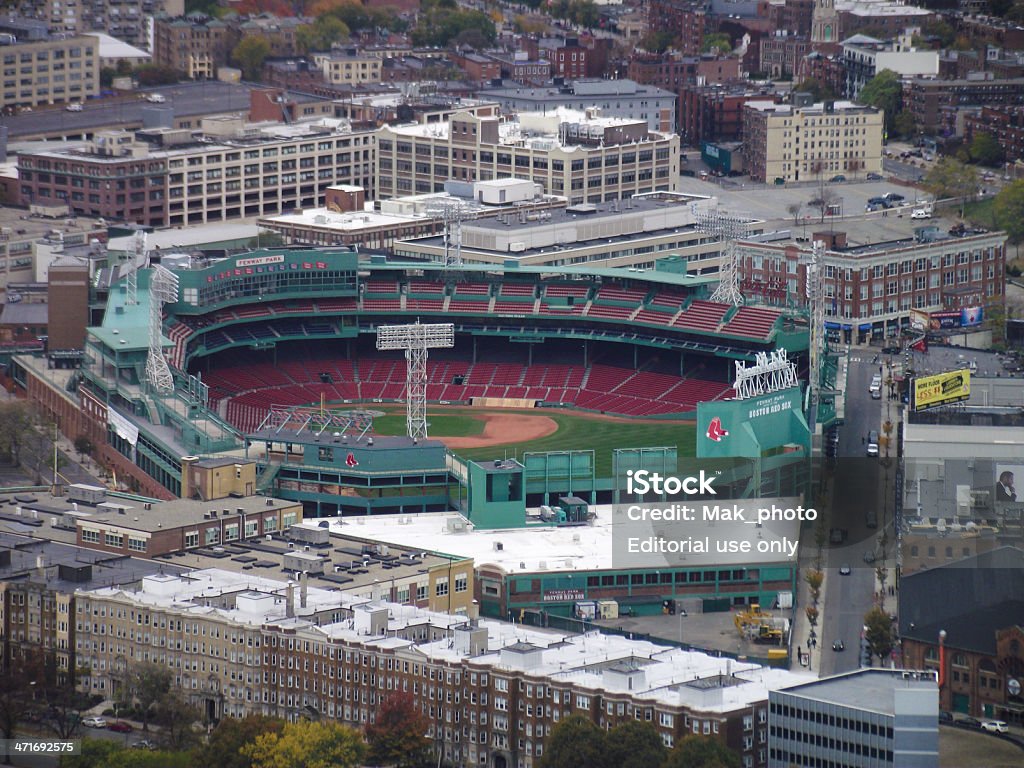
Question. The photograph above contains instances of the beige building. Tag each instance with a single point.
(580, 155)
(51, 71)
(349, 67)
(826, 139)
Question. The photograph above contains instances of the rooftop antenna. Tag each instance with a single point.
(416, 339)
(452, 213)
(163, 289)
(727, 228)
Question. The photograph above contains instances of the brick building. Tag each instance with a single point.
(1005, 124)
(926, 98)
(685, 19)
(492, 692)
(124, 19)
(195, 44)
(715, 112)
(781, 54)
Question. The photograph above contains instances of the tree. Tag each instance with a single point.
(306, 744)
(793, 209)
(249, 55)
(148, 682)
(634, 744)
(823, 202)
(701, 752)
(150, 75)
(949, 178)
(175, 716)
(321, 34)
(657, 41)
(985, 149)
(100, 753)
(719, 41)
(904, 124)
(819, 91)
(18, 421)
(83, 445)
(883, 91)
(1009, 211)
(576, 742)
(879, 632)
(223, 749)
(397, 736)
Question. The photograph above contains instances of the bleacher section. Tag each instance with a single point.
(701, 316)
(752, 322)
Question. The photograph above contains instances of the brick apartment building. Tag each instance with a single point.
(492, 692)
(676, 74)
(715, 112)
(686, 19)
(124, 19)
(584, 158)
(1005, 124)
(926, 98)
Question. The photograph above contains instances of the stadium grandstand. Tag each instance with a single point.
(253, 333)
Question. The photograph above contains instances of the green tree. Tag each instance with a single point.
(83, 445)
(249, 55)
(223, 749)
(100, 753)
(147, 683)
(879, 632)
(657, 41)
(175, 716)
(985, 149)
(634, 744)
(576, 742)
(397, 737)
(306, 744)
(819, 91)
(701, 752)
(719, 40)
(321, 34)
(152, 75)
(904, 124)
(949, 178)
(18, 427)
(1009, 211)
(883, 91)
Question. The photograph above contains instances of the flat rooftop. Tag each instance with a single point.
(867, 689)
(536, 547)
(26, 226)
(589, 212)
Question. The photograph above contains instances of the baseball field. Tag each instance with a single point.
(481, 434)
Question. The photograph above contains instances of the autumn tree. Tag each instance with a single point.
(223, 749)
(249, 55)
(701, 752)
(305, 744)
(878, 632)
(398, 736)
(949, 178)
(147, 683)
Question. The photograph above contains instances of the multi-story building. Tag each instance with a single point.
(877, 717)
(926, 98)
(715, 112)
(781, 53)
(477, 68)
(568, 58)
(614, 98)
(1005, 124)
(864, 57)
(169, 178)
(42, 69)
(125, 19)
(781, 141)
(195, 45)
(971, 639)
(685, 19)
(521, 68)
(889, 17)
(492, 692)
(874, 286)
(580, 156)
(349, 67)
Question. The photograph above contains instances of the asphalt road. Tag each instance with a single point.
(185, 99)
(859, 482)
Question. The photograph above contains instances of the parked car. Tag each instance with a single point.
(94, 722)
(970, 722)
(838, 646)
(74, 107)
(839, 179)
(894, 197)
(921, 213)
(120, 726)
(874, 177)
(890, 350)
(844, 570)
(994, 726)
(872, 443)
(143, 744)
(878, 201)
(945, 717)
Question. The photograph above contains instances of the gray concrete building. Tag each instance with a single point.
(868, 718)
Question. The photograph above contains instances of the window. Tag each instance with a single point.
(461, 582)
(114, 540)
(90, 536)
(441, 586)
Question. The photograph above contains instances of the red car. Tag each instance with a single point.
(120, 726)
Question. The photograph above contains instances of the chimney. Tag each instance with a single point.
(303, 589)
(289, 606)
(41, 566)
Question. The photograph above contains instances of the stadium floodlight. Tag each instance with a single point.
(416, 339)
(163, 289)
(727, 228)
(814, 279)
(134, 260)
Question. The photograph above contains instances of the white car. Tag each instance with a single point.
(921, 213)
(994, 726)
(94, 722)
(74, 107)
(156, 98)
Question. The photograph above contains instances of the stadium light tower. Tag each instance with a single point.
(814, 280)
(416, 339)
(728, 228)
(163, 289)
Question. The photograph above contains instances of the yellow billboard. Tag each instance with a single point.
(941, 389)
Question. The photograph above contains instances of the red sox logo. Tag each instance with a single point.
(715, 430)
(350, 460)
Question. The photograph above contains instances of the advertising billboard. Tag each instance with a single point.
(941, 389)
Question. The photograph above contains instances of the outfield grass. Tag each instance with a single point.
(438, 424)
(579, 432)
